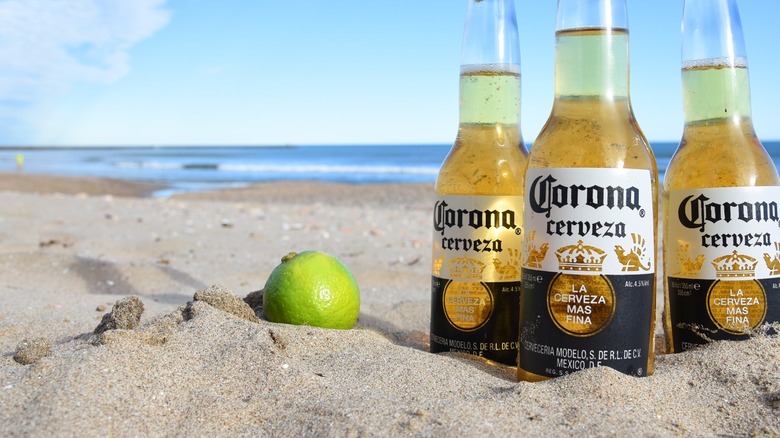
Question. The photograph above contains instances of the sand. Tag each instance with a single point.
(70, 249)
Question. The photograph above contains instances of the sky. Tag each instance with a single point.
(262, 72)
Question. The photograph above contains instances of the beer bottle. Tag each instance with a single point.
(590, 210)
(478, 201)
(721, 195)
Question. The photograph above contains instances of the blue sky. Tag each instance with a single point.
(261, 72)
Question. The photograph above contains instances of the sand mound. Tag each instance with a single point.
(202, 370)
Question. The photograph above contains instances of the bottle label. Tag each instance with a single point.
(723, 262)
(476, 276)
(588, 271)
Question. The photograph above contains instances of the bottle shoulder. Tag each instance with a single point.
(485, 160)
(720, 154)
(594, 133)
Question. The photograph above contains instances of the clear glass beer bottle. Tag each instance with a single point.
(720, 200)
(590, 217)
(478, 201)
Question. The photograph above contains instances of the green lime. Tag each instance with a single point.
(312, 288)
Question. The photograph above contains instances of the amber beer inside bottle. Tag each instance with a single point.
(592, 123)
(591, 130)
(488, 157)
(719, 147)
(475, 299)
(719, 159)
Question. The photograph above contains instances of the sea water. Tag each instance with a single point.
(205, 168)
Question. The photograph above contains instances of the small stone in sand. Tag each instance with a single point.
(225, 300)
(255, 300)
(773, 400)
(31, 350)
(125, 315)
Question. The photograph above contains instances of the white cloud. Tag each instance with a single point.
(48, 45)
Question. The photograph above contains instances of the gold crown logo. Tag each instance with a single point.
(465, 268)
(735, 265)
(580, 257)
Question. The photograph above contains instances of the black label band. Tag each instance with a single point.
(479, 318)
(573, 322)
(707, 310)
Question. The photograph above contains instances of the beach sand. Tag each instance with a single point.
(71, 248)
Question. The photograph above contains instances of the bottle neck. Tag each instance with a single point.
(713, 91)
(490, 64)
(490, 35)
(490, 95)
(592, 64)
(714, 63)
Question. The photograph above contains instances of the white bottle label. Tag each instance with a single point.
(477, 237)
(722, 263)
(591, 221)
(710, 227)
(588, 271)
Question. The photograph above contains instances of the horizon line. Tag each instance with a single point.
(256, 145)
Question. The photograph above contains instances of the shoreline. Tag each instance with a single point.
(66, 258)
(304, 191)
(24, 182)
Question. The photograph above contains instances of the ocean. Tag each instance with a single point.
(205, 168)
